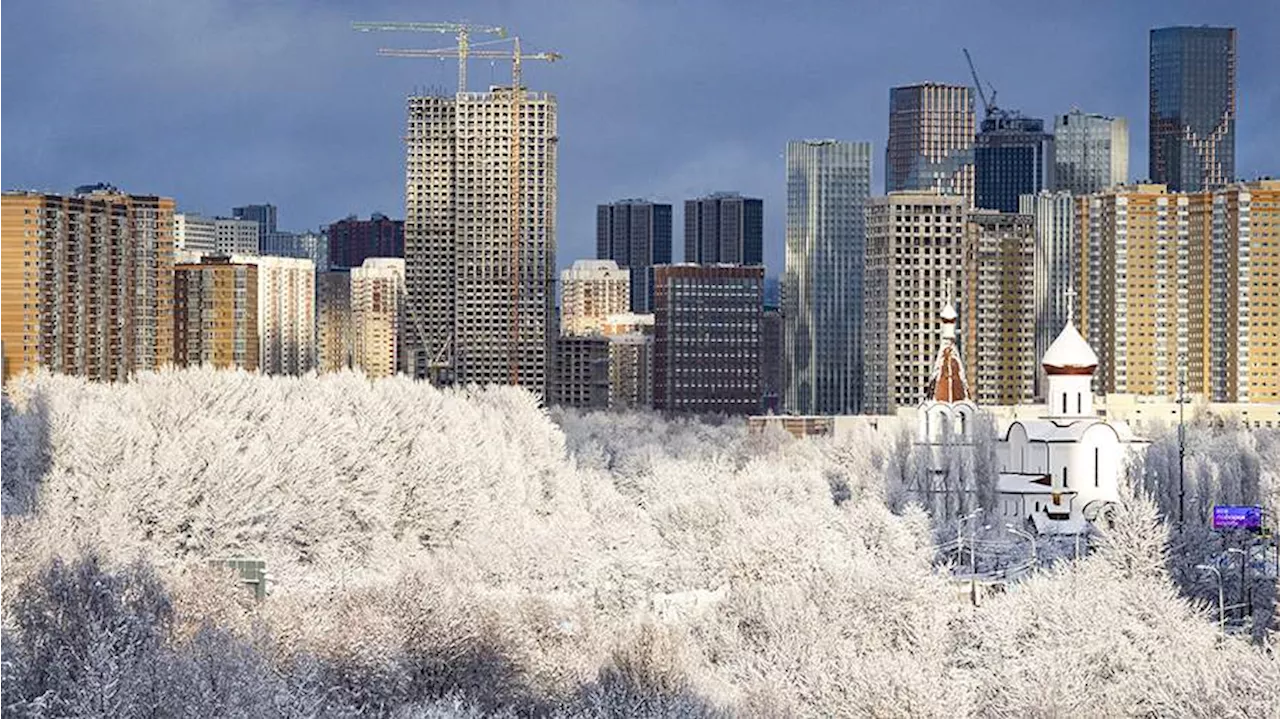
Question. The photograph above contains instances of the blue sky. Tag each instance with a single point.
(219, 103)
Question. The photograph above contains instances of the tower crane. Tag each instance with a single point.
(988, 107)
(461, 31)
(516, 98)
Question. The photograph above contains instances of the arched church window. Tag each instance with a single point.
(1064, 476)
(1064, 402)
(1079, 402)
(1095, 466)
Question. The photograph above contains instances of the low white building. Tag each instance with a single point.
(1062, 470)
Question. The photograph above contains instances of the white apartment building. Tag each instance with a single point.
(590, 292)
(286, 313)
(915, 243)
(480, 248)
(195, 234)
(237, 237)
(377, 306)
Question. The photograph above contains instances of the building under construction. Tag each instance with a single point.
(480, 234)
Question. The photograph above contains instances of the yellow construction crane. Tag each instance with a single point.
(517, 95)
(461, 31)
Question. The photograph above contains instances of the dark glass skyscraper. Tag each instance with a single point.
(1192, 130)
(724, 228)
(1012, 156)
(635, 234)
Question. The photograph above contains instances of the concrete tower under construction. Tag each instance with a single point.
(480, 236)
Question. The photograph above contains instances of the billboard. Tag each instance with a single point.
(1226, 516)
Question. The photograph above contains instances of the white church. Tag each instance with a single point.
(1060, 471)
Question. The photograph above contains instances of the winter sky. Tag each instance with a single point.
(220, 103)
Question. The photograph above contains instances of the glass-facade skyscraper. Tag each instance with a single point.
(1012, 156)
(635, 234)
(930, 139)
(724, 228)
(1091, 153)
(828, 184)
(1192, 121)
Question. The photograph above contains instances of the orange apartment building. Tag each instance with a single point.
(86, 282)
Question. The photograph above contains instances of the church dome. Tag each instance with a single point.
(949, 313)
(1069, 354)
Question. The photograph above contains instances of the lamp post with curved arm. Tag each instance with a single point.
(1222, 616)
(1035, 562)
(1244, 561)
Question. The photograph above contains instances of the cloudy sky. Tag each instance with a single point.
(219, 103)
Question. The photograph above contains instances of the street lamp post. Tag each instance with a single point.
(973, 555)
(1035, 562)
(1244, 560)
(1182, 444)
(1222, 615)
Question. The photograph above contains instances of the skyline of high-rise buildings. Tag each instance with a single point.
(480, 270)
(828, 185)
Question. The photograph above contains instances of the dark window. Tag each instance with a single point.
(1064, 476)
(1064, 402)
(1079, 402)
(1095, 466)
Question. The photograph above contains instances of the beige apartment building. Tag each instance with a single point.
(591, 291)
(215, 320)
(377, 307)
(915, 253)
(335, 337)
(998, 311)
(1134, 286)
(86, 284)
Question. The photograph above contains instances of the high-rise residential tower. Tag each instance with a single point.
(997, 307)
(828, 183)
(216, 314)
(1134, 286)
(915, 243)
(724, 228)
(1012, 156)
(334, 335)
(377, 315)
(1091, 153)
(1192, 116)
(636, 234)
(590, 292)
(286, 313)
(930, 139)
(1053, 215)
(480, 236)
(87, 283)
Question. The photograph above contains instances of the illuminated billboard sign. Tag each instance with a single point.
(1237, 517)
